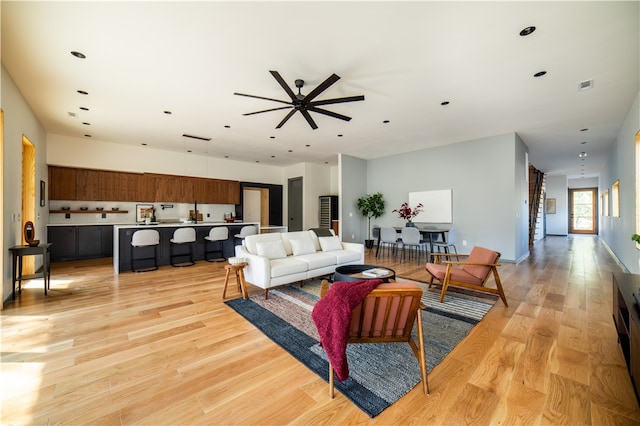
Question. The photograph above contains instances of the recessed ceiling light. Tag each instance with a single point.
(87, 136)
(583, 142)
(386, 121)
(584, 130)
(226, 126)
(167, 112)
(273, 156)
(79, 55)
(290, 150)
(444, 103)
(257, 161)
(86, 124)
(272, 137)
(226, 156)
(539, 73)
(308, 146)
(84, 108)
(339, 136)
(83, 92)
(326, 162)
(526, 31)
(143, 144)
(189, 150)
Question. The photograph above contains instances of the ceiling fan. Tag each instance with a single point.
(305, 103)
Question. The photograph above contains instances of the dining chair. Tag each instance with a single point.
(387, 314)
(449, 242)
(411, 240)
(388, 239)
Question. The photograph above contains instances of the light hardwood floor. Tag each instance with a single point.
(161, 348)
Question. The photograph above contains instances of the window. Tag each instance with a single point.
(615, 199)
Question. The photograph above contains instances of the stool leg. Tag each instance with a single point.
(243, 285)
(226, 281)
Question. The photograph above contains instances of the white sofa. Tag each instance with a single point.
(282, 258)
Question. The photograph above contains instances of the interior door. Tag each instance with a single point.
(294, 205)
(582, 211)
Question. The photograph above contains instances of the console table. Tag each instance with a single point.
(626, 315)
(18, 252)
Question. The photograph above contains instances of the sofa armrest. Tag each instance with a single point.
(258, 269)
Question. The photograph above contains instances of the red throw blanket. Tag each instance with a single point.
(332, 315)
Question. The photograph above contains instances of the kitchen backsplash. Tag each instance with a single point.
(179, 211)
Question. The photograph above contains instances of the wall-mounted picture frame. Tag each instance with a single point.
(143, 211)
(551, 206)
(42, 193)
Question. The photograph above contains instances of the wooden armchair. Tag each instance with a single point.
(472, 272)
(387, 314)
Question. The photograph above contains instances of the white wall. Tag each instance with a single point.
(616, 231)
(76, 152)
(557, 224)
(19, 120)
(353, 178)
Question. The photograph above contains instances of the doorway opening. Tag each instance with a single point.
(582, 211)
(28, 211)
(255, 205)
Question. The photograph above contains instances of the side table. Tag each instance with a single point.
(18, 252)
(238, 271)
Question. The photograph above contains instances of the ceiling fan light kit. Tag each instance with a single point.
(305, 103)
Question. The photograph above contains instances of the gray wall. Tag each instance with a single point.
(353, 185)
(616, 231)
(488, 181)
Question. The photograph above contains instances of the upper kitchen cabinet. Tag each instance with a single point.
(177, 189)
(62, 183)
(102, 185)
(216, 191)
(146, 188)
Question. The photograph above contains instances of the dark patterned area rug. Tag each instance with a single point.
(379, 374)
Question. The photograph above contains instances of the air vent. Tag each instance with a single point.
(585, 85)
(201, 138)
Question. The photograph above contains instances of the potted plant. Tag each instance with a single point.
(371, 205)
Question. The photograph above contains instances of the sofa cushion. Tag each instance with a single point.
(271, 249)
(318, 259)
(251, 241)
(287, 266)
(330, 243)
(301, 246)
(294, 235)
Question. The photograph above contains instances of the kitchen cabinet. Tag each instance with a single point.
(62, 183)
(67, 183)
(80, 242)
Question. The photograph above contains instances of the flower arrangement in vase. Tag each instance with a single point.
(407, 213)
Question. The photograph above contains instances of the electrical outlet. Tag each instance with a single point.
(353, 236)
(464, 242)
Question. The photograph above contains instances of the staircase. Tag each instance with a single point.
(536, 198)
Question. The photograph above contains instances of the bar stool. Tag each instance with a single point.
(141, 241)
(182, 236)
(217, 234)
(246, 231)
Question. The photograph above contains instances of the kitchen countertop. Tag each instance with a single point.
(154, 224)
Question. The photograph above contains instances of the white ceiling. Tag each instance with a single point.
(143, 58)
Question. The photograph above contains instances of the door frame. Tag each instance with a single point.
(594, 211)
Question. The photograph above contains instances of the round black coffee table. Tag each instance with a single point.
(359, 272)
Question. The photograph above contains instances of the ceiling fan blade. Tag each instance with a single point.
(321, 88)
(262, 97)
(329, 113)
(268, 110)
(337, 100)
(286, 118)
(284, 85)
(307, 116)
